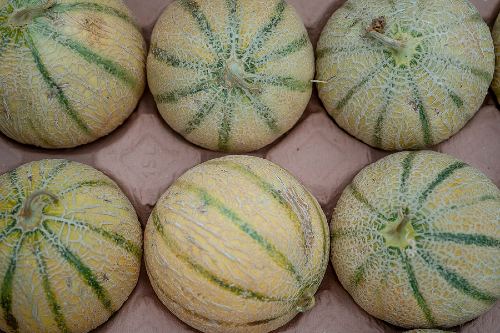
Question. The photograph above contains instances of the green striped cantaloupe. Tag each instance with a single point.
(496, 42)
(230, 75)
(70, 248)
(416, 240)
(404, 74)
(71, 71)
(236, 244)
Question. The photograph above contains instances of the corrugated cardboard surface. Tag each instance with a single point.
(145, 156)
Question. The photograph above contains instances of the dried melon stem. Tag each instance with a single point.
(376, 31)
(235, 75)
(27, 210)
(399, 234)
(24, 16)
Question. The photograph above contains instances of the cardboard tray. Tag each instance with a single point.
(144, 156)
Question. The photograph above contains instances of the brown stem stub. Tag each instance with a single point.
(27, 209)
(25, 15)
(378, 25)
(376, 30)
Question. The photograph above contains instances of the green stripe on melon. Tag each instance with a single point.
(302, 225)
(232, 62)
(412, 280)
(51, 298)
(279, 258)
(69, 229)
(52, 85)
(85, 272)
(6, 287)
(407, 225)
(466, 239)
(265, 32)
(226, 324)
(261, 252)
(108, 65)
(231, 287)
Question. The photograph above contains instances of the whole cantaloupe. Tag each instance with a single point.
(70, 72)
(404, 74)
(230, 75)
(70, 248)
(236, 245)
(416, 240)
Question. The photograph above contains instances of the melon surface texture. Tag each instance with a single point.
(230, 75)
(416, 240)
(70, 71)
(404, 74)
(427, 331)
(70, 248)
(236, 245)
(496, 41)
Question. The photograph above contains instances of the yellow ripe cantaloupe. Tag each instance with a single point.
(236, 245)
(416, 240)
(70, 248)
(230, 75)
(70, 71)
(404, 74)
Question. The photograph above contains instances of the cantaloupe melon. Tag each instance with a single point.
(416, 240)
(71, 71)
(404, 74)
(230, 75)
(70, 248)
(236, 245)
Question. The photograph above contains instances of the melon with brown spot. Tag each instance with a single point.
(416, 240)
(404, 74)
(70, 248)
(236, 245)
(70, 71)
(230, 75)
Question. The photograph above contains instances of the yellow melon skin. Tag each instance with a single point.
(403, 74)
(416, 240)
(230, 75)
(70, 71)
(495, 85)
(236, 244)
(70, 248)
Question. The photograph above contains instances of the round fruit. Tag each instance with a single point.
(230, 75)
(70, 248)
(70, 72)
(496, 40)
(236, 245)
(404, 74)
(416, 240)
